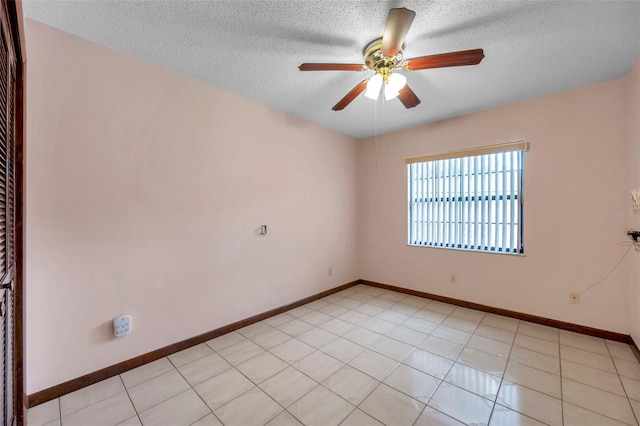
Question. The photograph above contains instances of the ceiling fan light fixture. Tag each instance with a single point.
(373, 87)
(396, 82)
(390, 93)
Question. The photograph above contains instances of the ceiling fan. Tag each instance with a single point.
(384, 55)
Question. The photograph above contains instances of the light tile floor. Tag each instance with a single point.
(367, 356)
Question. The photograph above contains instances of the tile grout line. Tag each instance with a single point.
(86, 406)
(191, 387)
(456, 361)
(622, 383)
(319, 383)
(289, 365)
(560, 371)
(258, 386)
(506, 365)
(447, 373)
(164, 400)
(240, 372)
(561, 377)
(562, 401)
(130, 400)
(441, 380)
(146, 380)
(584, 384)
(576, 362)
(345, 364)
(460, 354)
(203, 416)
(594, 387)
(380, 382)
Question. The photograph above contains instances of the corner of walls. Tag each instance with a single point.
(145, 193)
(361, 206)
(633, 138)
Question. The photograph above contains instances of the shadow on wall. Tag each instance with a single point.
(287, 118)
(103, 333)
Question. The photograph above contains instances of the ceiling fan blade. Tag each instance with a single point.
(408, 97)
(395, 30)
(451, 59)
(332, 67)
(350, 96)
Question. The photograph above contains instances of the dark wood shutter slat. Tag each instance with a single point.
(8, 323)
(4, 177)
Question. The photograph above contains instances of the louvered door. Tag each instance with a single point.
(7, 216)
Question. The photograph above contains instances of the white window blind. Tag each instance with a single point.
(469, 199)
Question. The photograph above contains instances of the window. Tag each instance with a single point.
(470, 199)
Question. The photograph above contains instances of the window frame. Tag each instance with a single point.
(454, 222)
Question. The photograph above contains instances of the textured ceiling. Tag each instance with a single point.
(253, 48)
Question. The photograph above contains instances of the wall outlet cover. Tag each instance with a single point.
(122, 325)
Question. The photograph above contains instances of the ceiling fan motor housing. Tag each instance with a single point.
(376, 61)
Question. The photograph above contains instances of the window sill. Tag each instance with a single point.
(469, 250)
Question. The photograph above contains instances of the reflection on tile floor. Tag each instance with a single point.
(367, 356)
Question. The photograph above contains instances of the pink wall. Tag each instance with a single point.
(144, 194)
(575, 172)
(634, 182)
